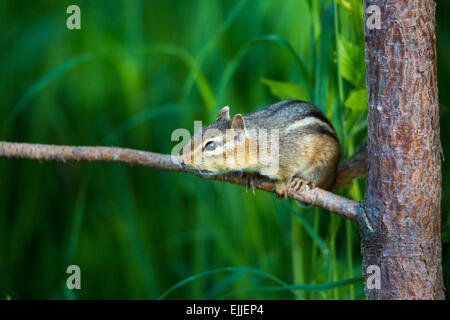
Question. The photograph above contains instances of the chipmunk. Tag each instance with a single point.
(307, 144)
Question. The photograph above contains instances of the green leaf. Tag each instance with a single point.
(345, 4)
(357, 100)
(199, 60)
(304, 287)
(230, 69)
(317, 287)
(310, 230)
(351, 61)
(323, 58)
(257, 272)
(43, 82)
(285, 90)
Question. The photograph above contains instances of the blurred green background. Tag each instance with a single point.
(136, 71)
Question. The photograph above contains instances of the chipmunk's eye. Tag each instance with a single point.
(209, 146)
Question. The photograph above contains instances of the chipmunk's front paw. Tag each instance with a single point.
(250, 180)
(300, 185)
(281, 189)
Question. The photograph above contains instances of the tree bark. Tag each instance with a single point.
(401, 211)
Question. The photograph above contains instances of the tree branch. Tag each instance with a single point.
(42, 152)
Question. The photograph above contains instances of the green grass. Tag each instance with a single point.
(136, 71)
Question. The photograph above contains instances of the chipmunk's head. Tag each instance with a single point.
(211, 149)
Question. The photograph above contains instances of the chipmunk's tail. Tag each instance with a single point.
(352, 168)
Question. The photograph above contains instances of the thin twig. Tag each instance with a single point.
(42, 152)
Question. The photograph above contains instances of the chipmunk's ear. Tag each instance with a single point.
(224, 114)
(237, 123)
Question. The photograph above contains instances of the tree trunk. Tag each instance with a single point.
(401, 210)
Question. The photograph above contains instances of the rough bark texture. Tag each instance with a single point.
(400, 224)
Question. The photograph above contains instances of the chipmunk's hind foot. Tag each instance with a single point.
(295, 185)
(300, 185)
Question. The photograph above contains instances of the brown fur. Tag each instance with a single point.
(309, 150)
